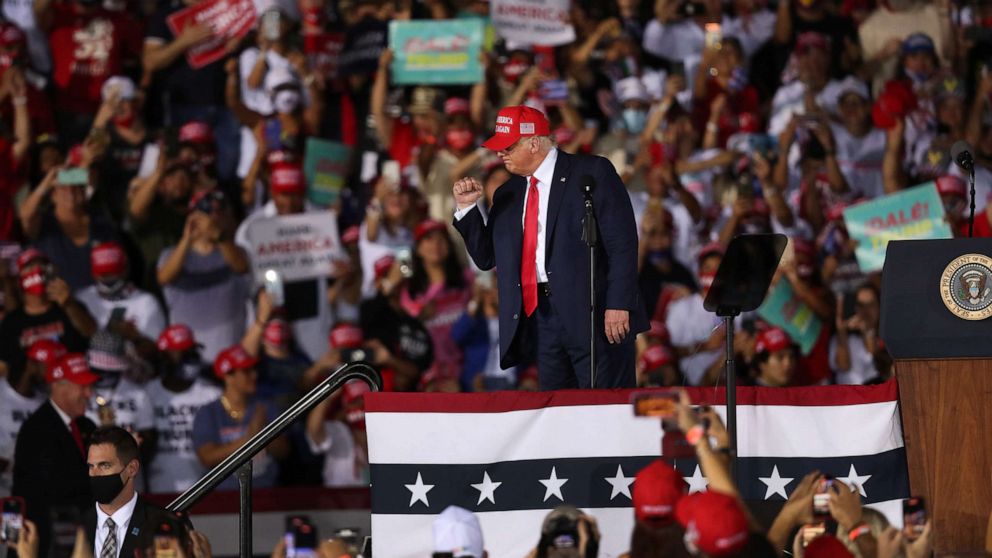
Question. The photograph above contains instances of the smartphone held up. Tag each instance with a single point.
(12, 519)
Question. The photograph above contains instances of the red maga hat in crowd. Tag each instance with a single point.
(233, 358)
(46, 351)
(771, 340)
(287, 178)
(425, 228)
(656, 356)
(28, 257)
(714, 523)
(513, 123)
(657, 490)
(346, 336)
(108, 259)
(176, 337)
(72, 367)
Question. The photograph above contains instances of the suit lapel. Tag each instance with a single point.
(134, 528)
(558, 185)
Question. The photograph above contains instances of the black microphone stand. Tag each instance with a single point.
(591, 237)
(971, 214)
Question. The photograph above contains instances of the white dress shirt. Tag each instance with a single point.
(66, 419)
(545, 173)
(121, 517)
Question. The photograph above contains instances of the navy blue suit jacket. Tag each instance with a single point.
(497, 242)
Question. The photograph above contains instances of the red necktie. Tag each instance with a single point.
(528, 258)
(77, 436)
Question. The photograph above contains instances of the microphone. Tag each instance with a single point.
(588, 183)
(961, 154)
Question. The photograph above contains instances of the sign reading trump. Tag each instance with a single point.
(298, 246)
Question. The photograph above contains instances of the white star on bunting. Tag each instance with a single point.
(697, 482)
(553, 486)
(487, 489)
(620, 484)
(776, 484)
(854, 480)
(418, 491)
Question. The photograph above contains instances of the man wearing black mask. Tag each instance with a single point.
(176, 397)
(120, 522)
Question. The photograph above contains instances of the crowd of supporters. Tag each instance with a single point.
(129, 179)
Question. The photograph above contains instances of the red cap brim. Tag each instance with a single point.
(84, 379)
(499, 142)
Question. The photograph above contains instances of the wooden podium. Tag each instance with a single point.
(943, 363)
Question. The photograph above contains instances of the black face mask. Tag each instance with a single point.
(106, 487)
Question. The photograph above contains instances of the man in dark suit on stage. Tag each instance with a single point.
(50, 453)
(533, 236)
(121, 521)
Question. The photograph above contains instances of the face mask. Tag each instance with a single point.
(355, 418)
(286, 102)
(660, 257)
(106, 487)
(6, 61)
(313, 17)
(111, 289)
(634, 120)
(34, 282)
(918, 78)
(124, 121)
(189, 369)
(706, 281)
(458, 139)
(513, 70)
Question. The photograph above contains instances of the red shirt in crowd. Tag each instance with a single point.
(87, 48)
(741, 114)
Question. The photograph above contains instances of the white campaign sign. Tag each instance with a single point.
(542, 22)
(298, 246)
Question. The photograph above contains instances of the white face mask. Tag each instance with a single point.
(286, 101)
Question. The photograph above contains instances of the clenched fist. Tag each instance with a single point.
(467, 191)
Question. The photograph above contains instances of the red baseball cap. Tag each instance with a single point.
(287, 178)
(233, 358)
(714, 522)
(277, 332)
(711, 249)
(659, 330)
(424, 228)
(346, 336)
(350, 235)
(46, 351)
(354, 390)
(108, 258)
(827, 546)
(456, 105)
(72, 367)
(771, 340)
(513, 123)
(951, 185)
(176, 337)
(656, 356)
(28, 257)
(196, 132)
(657, 490)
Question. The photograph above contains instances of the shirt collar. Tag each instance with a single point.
(62, 414)
(545, 172)
(121, 517)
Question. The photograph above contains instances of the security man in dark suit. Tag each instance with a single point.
(533, 236)
(50, 452)
(121, 521)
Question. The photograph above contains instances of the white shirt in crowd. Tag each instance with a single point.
(310, 333)
(14, 410)
(344, 462)
(862, 362)
(789, 100)
(545, 174)
(860, 159)
(752, 31)
(121, 517)
(129, 401)
(176, 467)
(21, 12)
(684, 237)
(689, 325)
(140, 308)
(679, 40)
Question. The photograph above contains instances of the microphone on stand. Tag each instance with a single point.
(961, 154)
(590, 236)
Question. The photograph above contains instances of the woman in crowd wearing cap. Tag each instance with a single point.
(224, 425)
(389, 216)
(414, 137)
(458, 156)
(202, 276)
(281, 362)
(437, 292)
(398, 341)
(47, 309)
(345, 294)
(775, 359)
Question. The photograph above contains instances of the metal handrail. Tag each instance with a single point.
(240, 460)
